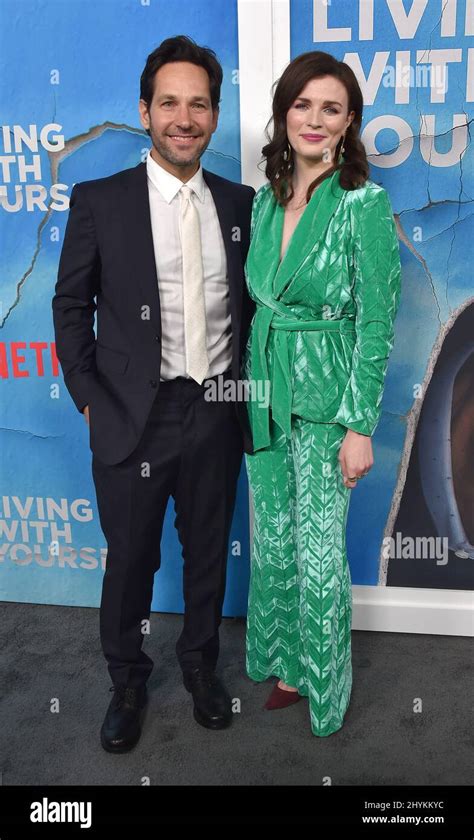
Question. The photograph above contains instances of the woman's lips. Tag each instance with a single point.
(313, 138)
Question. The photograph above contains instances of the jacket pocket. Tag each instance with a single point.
(110, 360)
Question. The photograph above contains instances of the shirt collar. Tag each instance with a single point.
(168, 185)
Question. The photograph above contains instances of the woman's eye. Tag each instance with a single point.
(301, 105)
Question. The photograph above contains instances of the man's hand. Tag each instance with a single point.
(86, 414)
(355, 457)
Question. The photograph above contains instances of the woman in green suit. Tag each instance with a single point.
(324, 270)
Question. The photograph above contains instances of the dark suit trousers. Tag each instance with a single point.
(191, 449)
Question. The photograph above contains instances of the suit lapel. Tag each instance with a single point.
(228, 221)
(139, 232)
(308, 232)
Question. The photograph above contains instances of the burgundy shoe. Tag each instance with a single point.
(279, 698)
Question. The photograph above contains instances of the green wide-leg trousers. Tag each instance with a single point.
(300, 598)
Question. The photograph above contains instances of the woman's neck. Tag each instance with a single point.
(305, 173)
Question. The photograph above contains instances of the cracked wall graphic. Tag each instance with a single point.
(76, 120)
(418, 139)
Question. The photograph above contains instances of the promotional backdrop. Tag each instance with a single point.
(70, 75)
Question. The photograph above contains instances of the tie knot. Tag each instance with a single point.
(186, 191)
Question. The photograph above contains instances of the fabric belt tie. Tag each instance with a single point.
(281, 386)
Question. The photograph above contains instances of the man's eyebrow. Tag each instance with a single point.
(326, 101)
(192, 98)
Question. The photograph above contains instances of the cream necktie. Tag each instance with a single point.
(197, 362)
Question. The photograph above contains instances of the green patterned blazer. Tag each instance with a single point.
(323, 327)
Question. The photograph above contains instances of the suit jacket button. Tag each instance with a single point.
(157, 337)
(153, 383)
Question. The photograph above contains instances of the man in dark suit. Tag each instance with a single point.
(161, 247)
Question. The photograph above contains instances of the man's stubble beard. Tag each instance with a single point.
(168, 155)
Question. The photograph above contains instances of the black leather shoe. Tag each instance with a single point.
(212, 704)
(121, 728)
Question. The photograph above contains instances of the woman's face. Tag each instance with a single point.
(317, 119)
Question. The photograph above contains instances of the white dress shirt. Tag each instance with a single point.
(163, 189)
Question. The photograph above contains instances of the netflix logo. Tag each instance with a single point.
(20, 359)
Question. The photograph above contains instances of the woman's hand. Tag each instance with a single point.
(355, 457)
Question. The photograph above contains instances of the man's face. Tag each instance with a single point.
(180, 118)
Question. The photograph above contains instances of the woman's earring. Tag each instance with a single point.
(342, 149)
(287, 154)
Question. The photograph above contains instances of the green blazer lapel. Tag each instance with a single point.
(264, 252)
(308, 232)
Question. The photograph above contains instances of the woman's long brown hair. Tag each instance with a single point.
(354, 168)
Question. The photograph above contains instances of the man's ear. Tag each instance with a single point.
(143, 111)
(215, 118)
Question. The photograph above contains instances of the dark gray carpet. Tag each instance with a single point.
(54, 652)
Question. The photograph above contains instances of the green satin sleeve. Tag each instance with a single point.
(377, 289)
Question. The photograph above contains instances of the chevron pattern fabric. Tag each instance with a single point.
(342, 265)
(320, 338)
(300, 599)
